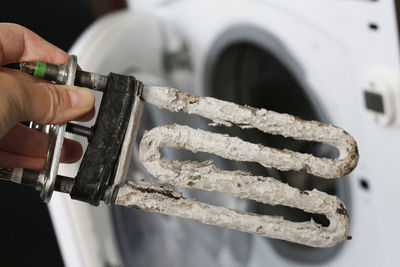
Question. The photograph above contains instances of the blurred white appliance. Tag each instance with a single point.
(331, 60)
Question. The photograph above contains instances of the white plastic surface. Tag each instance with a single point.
(385, 83)
(85, 233)
(333, 43)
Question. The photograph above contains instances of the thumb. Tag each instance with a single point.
(42, 102)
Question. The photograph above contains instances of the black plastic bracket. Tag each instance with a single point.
(97, 170)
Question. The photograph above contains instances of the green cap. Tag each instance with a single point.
(40, 69)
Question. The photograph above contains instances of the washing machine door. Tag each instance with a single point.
(248, 52)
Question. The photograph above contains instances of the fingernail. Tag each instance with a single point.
(80, 97)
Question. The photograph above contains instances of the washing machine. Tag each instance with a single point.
(335, 61)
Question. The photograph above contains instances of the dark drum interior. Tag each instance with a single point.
(250, 75)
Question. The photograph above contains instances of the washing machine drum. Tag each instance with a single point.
(244, 73)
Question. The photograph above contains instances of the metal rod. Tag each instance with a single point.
(52, 73)
(6, 174)
(32, 178)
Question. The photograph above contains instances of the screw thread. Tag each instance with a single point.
(79, 130)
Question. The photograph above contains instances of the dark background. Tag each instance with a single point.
(26, 234)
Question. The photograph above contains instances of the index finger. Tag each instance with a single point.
(18, 44)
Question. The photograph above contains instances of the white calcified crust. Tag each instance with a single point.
(205, 176)
(156, 198)
(228, 113)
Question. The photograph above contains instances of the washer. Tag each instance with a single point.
(335, 61)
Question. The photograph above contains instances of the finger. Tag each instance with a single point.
(18, 44)
(88, 116)
(23, 141)
(26, 99)
(10, 160)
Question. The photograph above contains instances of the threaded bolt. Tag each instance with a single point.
(79, 130)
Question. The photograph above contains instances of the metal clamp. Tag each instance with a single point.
(56, 133)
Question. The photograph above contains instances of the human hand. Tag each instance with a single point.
(26, 98)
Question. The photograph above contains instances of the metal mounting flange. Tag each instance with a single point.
(56, 133)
